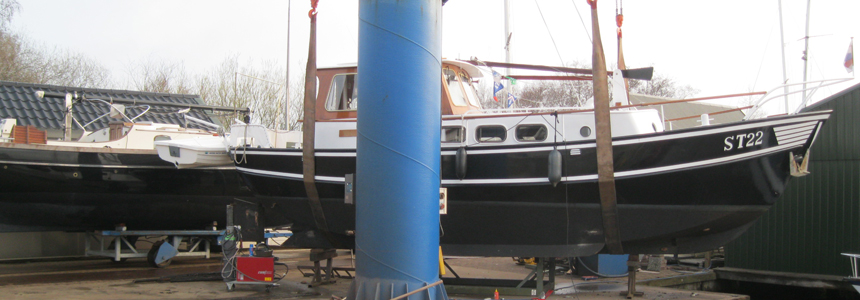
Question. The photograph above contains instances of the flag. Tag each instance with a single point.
(511, 99)
(849, 57)
(497, 84)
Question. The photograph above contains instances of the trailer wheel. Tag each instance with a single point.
(153, 252)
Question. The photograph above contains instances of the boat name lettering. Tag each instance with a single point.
(743, 140)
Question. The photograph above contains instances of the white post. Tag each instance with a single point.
(782, 42)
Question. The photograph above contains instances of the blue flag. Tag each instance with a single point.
(497, 84)
(511, 99)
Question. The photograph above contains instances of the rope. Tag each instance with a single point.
(437, 59)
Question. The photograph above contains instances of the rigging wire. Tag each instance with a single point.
(763, 55)
(550, 33)
(582, 21)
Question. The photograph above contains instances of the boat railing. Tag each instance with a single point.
(854, 263)
(779, 92)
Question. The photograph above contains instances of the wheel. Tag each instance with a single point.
(268, 288)
(153, 252)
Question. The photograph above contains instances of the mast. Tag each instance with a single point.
(782, 42)
(805, 51)
(287, 76)
(509, 88)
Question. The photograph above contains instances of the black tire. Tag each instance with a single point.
(153, 252)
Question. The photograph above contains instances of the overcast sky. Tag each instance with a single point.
(717, 47)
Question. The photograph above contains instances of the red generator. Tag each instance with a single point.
(255, 269)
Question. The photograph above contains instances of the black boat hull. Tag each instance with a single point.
(681, 191)
(48, 188)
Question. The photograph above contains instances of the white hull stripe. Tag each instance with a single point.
(288, 175)
(796, 130)
(43, 164)
(807, 125)
(784, 136)
(578, 178)
(719, 130)
(811, 121)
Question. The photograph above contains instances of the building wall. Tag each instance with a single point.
(818, 217)
(19, 245)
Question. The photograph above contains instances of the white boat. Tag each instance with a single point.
(197, 152)
(212, 150)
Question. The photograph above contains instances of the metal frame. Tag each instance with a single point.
(175, 238)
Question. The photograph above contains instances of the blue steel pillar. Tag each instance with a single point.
(397, 169)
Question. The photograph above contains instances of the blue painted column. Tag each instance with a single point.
(397, 169)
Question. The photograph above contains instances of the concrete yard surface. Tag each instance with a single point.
(101, 279)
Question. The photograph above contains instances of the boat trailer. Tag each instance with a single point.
(118, 245)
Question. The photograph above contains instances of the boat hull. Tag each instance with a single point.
(681, 191)
(49, 188)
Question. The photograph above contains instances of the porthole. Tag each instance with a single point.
(453, 134)
(585, 131)
(531, 133)
(491, 134)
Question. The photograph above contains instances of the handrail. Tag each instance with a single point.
(562, 110)
(764, 99)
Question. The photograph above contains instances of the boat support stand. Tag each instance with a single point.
(160, 254)
(632, 265)
(532, 285)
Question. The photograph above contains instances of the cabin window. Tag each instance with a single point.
(454, 88)
(531, 133)
(470, 89)
(491, 134)
(453, 134)
(585, 131)
(343, 94)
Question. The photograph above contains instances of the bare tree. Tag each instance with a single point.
(159, 76)
(575, 93)
(261, 89)
(25, 61)
(8, 8)
(662, 86)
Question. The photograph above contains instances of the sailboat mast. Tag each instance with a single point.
(287, 76)
(805, 51)
(782, 50)
(509, 88)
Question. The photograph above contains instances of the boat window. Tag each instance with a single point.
(585, 131)
(343, 94)
(531, 133)
(453, 134)
(454, 88)
(470, 89)
(161, 138)
(491, 134)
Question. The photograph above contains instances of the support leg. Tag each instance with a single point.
(632, 265)
(539, 275)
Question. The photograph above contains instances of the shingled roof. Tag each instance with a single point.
(19, 101)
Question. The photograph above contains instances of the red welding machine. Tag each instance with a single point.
(255, 269)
